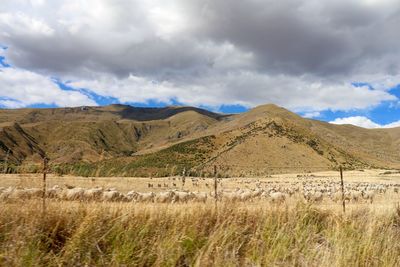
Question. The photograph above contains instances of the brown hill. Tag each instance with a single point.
(16, 145)
(89, 134)
(125, 140)
(111, 112)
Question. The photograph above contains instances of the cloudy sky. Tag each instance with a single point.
(333, 60)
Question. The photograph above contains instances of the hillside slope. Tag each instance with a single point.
(124, 140)
(90, 134)
(16, 145)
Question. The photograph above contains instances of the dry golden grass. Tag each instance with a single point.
(127, 234)
(255, 233)
(125, 184)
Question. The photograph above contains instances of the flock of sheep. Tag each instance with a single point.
(314, 191)
(100, 194)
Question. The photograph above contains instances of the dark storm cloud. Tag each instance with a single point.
(290, 36)
(243, 52)
(297, 37)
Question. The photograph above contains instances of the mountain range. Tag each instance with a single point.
(121, 140)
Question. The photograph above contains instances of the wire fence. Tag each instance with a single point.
(215, 187)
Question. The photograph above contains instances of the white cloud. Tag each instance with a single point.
(37, 2)
(299, 94)
(392, 125)
(20, 24)
(300, 54)
(11, 104)
(364, 122)
(130, 89)
(21, 88)
(311, 115)
(168, 18)
(357, 121)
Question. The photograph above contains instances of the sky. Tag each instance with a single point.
(332, 60)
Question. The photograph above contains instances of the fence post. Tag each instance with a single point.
(215, 184)
(342, 187)
(183, 177)
(45, 160)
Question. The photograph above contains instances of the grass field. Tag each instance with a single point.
(121, 234)
(257, 233)
(141, 184)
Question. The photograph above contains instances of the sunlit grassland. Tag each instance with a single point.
(104, 234)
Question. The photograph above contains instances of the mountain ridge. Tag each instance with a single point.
(134, 141)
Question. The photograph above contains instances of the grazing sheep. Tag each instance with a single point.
(275, 191)
(347, 196)
(17, 193)
(245, 196)
(93, 194)
(33, 193)
(277, 197)
(73, 194)
(25, 193)
(180, 196)
(54, 192)
(355, 196)
(201, 197)
(131, 196)
(337, 196)
(164, 197)
(146, 197)
(368, 196)
(264, 195)
(314, 197)
(230, 196)
(111, 195)
(257, 193)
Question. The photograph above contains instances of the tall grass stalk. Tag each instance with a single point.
(117, 234)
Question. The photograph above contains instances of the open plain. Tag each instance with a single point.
(292, 219)
(384, 184)
(129, 186)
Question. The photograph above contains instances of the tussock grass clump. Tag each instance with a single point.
(78, 234)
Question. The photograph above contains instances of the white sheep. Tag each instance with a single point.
(277, 197)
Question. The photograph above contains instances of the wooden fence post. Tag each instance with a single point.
(183, 177)
(45, 161)
(215, 184)
(342, 187)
